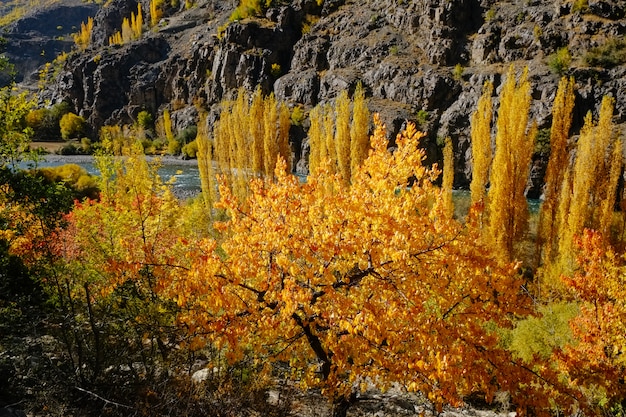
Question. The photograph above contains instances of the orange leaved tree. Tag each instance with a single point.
(372, 283)
(595, 365)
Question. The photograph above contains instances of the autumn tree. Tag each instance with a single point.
(592, 182)
(341, 141)
(448, 177)
(481, 144)
(83, 38)
(132, 28)
(594, 364)
(205, 164)
(250, 135)
(72, 126)
(156, 11)
(359, 129)
(115, 253)
(508, 209)
(371, 283)
(338, 135)
(558, 164)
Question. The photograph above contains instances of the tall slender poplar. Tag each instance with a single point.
(342, 135)
(481, 144)
(508, 209)
(557, 166)
(359, 129)
(448, 177)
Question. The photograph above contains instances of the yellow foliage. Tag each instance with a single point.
(359, 129)
(481, 144)
(83, 38)
(448, 177)
(132, 28)
(593, 181)
(370, 282)
(508, 209)
(338, 137)
(156, 11)
(557, 166)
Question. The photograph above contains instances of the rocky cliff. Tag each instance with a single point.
(419, 60)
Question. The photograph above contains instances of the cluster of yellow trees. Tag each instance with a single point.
(131, 29)
(246, 142)
(339, 136)
(82, 39)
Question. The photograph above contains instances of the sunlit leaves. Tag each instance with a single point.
(371, 281)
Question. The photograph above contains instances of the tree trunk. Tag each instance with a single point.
(342, 404)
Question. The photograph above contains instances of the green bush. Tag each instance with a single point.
(187, 135)
(541, 335)
(560, 61)
(190, 150)
(611, 54)
(145, 120)
(44, 122)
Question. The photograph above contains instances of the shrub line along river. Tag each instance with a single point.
(185, 172)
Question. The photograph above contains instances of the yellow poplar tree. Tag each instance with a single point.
(593, 179)
(557, 166)
(359, 129)
(205, 164)
(508, 209)
(83, 38)
(155, 11)
(270, 135)
(257, 130)
(315, 139)
(342, 135)
(284, 126)
(481, 144)
(448, 177)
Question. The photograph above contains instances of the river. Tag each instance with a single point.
(186, 173)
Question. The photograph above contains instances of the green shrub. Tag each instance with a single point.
(611, 54)
(145, 120)
(560, 61)
(187, 135)
(422, 117)
(44, 122)
(542, 143)
(190, 150)
(541, 335)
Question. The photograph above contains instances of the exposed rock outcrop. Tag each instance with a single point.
(42, 35)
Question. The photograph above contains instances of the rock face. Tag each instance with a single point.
(414, 57)
(42, 35)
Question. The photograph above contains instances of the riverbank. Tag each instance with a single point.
(185, 172)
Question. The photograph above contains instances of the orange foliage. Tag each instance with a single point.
(596, 364)
(350, 285)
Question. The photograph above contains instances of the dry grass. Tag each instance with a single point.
(49, 147)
